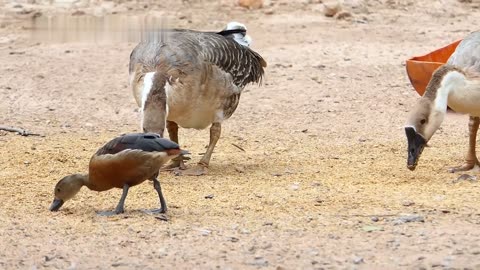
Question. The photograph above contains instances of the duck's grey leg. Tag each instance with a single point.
(163, 203)
(471, 159)
(177, 162)
(120, 206)
(201, 168)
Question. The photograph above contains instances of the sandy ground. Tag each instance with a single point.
(322, 183)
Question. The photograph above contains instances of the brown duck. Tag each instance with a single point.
(123, 162)
(194, 80)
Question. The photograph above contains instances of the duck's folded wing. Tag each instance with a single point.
(148, 142)
(130, 166)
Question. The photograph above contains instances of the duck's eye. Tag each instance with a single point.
(423, 121)
(58, 189)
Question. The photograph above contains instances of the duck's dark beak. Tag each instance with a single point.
(56, 204)
(416, 144)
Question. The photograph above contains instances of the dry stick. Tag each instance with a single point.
(19, 131)
(360, 215)
(238, 147)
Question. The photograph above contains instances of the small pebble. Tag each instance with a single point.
(233, 239)
(205, 232)
(342, 15)
(269, 12)
(331, 8)
(295, 186)
(260, 261)
(408, 203)
(370, 228)
(78, 13)
(358, 260)
(240, 169)
(408, 219)
(251, 4)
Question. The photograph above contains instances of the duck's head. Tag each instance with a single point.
(422, 123)
(66, 189)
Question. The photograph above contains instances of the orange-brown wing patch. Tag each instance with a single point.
(130, 167)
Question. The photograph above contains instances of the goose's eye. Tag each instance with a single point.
(423, 121)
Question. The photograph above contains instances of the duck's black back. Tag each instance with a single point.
(149, 142)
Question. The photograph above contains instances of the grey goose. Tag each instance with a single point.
(193, 79)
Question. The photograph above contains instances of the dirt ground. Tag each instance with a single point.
(322, 183)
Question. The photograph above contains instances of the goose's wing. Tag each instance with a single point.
(186, 50)
(467, 53)
(244, 64)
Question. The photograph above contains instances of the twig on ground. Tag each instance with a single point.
(239, 147)
(360, 215)
(19, 131)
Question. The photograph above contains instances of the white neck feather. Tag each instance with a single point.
(241, 39)
(451, 82)
(147, 87)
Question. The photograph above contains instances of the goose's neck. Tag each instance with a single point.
(154, 103)
(453, 81)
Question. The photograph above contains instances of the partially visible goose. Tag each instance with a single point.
(193, 79)
(456, 85)
(123, 162)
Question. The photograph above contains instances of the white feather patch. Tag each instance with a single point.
(168, 91)
(241, 39)
(451, 81)
(147, 87)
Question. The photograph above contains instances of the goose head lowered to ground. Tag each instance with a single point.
(456, 85)
(193, 79)
(449, 86)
